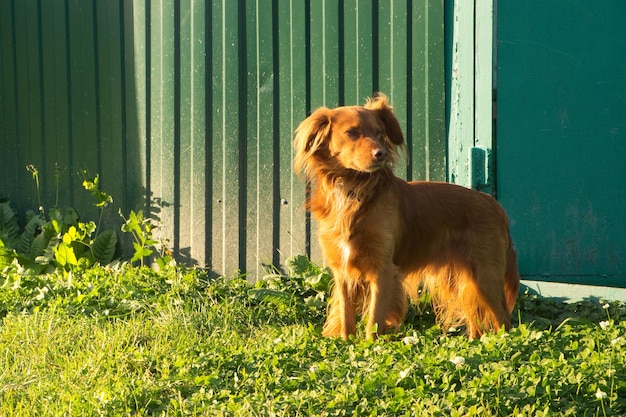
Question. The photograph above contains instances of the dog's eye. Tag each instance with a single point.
(379, 133)
(353, 133)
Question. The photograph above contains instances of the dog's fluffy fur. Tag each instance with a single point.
(383, 237)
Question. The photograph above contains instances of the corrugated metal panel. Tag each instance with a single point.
(191, 107)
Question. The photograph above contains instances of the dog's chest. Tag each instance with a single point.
(345, 251)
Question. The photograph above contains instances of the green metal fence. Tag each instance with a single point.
(187, 108)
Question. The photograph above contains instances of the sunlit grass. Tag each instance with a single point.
(178, 343)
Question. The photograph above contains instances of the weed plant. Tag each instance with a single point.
(57, 239)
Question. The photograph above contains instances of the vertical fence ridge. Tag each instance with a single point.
(147, 56)
(123, 106)
(96, 76)
(209, 137)
(409, 89)
(376, 45)
(176, 125)
(70, 108)
(278, 201)
(42, 108)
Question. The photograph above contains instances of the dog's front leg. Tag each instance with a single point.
(341, 319)
(347, 311)
(387, 302)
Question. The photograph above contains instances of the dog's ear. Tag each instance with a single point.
(385, 112)
(311, 135)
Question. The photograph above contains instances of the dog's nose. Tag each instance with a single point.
(379, 154)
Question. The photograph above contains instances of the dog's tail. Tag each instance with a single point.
(511, 276)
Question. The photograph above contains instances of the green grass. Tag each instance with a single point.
(130, 341)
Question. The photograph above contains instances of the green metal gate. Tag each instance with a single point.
(187, 108)
(561, 123)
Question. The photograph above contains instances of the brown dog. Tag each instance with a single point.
(383, 237)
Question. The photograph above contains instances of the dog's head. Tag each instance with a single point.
(358, 138)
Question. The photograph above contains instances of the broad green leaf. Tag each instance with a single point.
(56, 219)
(164, 262)
(6, 256)
(56, 225)
(279, 298)
(25, 242)
(70, 217)
(299, 264)
(132, 225)
(104, 247)
(64, 255)
(150, 242)
(9, 228)
(70, 235)
(42, 241)
(140, 252)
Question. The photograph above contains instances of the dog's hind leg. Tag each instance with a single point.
(483, 301)
(511, 277)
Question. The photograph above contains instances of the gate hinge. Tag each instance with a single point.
(481, 166)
